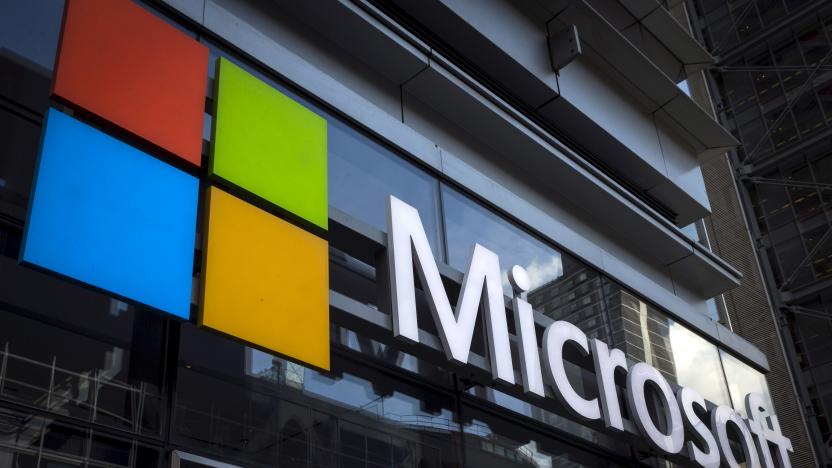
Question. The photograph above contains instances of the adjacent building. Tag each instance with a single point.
(770, 86)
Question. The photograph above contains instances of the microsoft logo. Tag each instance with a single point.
(116, 206)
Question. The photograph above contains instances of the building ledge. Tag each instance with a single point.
(672, 35)
(658, 92)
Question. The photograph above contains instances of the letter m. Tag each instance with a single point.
(406, 242)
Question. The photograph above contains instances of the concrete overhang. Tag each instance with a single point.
(524, 80)
(657, 91)
(667, 31)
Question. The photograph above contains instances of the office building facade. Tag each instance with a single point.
(768, 87)
(201, 208)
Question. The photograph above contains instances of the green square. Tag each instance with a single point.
(267, 144)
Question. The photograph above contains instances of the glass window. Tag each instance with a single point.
(781, 124)
(31, 440)
(468, 222)
(578, 377)
(30, 30)
(697, 365)
(97, 359)
(28, 42)
(787, 54)
(742, 380)
(19, 140)
(362, 174)
(493, 441)
(646, 334)
(258, 409)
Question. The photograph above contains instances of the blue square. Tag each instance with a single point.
(111, 216)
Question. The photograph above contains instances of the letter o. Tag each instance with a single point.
(637, 379)
(721, 416)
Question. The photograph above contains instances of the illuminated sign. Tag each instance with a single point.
(409, 251)
(122, 220)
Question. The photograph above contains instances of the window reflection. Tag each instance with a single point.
(105, 369)
(19, 139)
(742, 380)
(28, 43)
(362, 174)
(467, 223)
(30, 29)
(493, 441)
(29, 440)
(258, 409)
(646, 334)
(697, 365)
(549, 418)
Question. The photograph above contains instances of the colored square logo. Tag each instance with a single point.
(269, 145)
(108, 215)
(129, 67)
(265, 281)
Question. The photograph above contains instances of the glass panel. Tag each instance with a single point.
(578, 377)
(28, 440)
(493, 441)
(770, 10)
(577, 298)
(646, 334)
(697, 364)
(258, 409)
(19, 140)
(362, 174)
(714, 311)
(30, 29)
(28, 42)
(468, 222)
(780, 123)
(742, 380)
(105, 368)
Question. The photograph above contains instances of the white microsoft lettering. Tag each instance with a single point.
(405, 238)
(409, 250)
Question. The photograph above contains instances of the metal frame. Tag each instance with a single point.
(778, 305)
(177, 456)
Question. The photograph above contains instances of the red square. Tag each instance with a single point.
(125, 65)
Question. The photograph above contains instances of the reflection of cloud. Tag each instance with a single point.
(540, 272)
(697, 364)
(742, 380)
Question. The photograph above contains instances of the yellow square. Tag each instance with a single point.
(265, 281)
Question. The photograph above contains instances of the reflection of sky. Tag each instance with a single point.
(742, 380)
(467, 223)
(697, 364)
(30, 29)
(683, 85)
(258, 361)
(354, 158)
